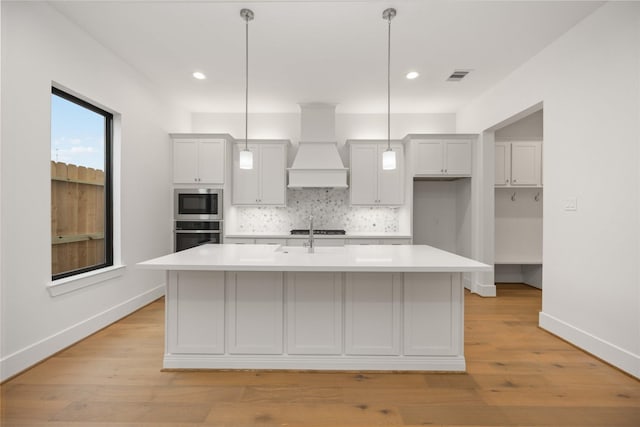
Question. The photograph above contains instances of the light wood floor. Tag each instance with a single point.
(518, 375)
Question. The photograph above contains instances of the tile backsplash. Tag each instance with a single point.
(330, 209)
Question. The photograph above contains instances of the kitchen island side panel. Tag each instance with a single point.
(315, 320)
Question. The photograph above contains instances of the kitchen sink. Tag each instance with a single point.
(317, 249)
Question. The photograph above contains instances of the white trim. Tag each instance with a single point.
(34, 353)
(481, 289)
(610, 353)
(373, 363)
(79, 281)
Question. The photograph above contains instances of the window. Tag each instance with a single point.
(81, 190)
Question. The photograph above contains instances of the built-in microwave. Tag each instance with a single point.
(197, 204)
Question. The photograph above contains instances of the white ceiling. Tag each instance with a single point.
(325, 51)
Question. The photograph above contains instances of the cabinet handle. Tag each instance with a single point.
(441, 170)
(514, 181)
(445, 171)
(507, 181)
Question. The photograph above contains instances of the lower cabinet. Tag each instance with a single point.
(254, 312)
(314, 313)
(195, 310)
(425, 307)
(314, 320)
(372, 313)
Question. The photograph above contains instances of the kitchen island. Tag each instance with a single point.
(376, 307)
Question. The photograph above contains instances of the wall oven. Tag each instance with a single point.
(197, 204)
(189, 234)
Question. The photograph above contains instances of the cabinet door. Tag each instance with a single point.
(273, 174)
(211, 161)
(502, 164)
(458, 158)
(391, 182)
(255, 312)
(195, 312)
(246, 189)
(364, 174)
(525, 163)
(314, 313)
(433, 314)
(429, 157)
(372, 313)
(185, 161)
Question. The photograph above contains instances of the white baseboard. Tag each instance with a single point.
(29, 356)
(481, 289)
(333, 363)
(610, 353)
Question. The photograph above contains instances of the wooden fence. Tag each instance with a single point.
(77, 217)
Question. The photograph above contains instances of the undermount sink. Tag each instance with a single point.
(316, 250)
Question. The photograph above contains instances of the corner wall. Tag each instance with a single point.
(592, 140)
(39, 47)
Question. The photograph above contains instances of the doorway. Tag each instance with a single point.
(519, 201)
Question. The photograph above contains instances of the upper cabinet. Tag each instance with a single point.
(370, 184)
(442, 157)
(518, 164)
(266, 183)
(198, 159)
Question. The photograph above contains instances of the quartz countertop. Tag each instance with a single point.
(349, 258)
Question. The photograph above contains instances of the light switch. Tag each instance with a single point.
(571, 204)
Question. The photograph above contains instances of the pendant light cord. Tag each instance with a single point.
(246, 86)
(389, 87)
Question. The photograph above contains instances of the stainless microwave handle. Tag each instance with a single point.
(198, 231)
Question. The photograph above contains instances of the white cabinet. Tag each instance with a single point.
(440, 157)
(255, 312)
(198, 159)
(314, 313)
(265, 184)
(381, 241)
(432, 314)
(195, 312)
(518, 164)
(370, 184)
(372, 313)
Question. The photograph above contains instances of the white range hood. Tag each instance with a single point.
(317, 163)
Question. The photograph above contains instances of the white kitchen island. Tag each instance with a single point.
(376, 307)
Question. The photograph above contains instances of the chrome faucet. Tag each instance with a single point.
(311, 244)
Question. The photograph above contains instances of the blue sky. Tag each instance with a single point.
(77, 134)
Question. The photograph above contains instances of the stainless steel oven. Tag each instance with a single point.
(188, 234)
(197, 204)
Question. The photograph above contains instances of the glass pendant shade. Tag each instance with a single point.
(389, 159)
(246, 159)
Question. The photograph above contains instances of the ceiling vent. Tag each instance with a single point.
(458, 75)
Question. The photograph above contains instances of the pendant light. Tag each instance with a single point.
(246, 156)
(389, 156)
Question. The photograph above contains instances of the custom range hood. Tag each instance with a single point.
(317, 163)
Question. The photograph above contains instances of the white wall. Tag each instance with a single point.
(588, 81)
(529, 128)
(39, 47)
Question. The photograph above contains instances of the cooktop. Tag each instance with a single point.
(326, 232)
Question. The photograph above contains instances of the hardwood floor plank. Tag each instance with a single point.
(304, 414)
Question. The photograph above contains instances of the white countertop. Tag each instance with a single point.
(349, 258)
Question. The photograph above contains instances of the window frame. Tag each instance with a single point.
(108, 184)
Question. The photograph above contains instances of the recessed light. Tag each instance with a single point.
(412, 75)
(198, 75)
